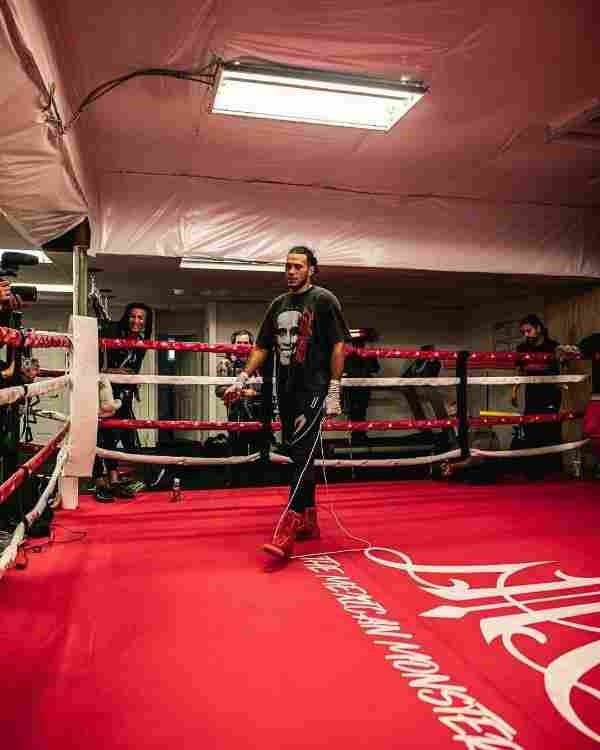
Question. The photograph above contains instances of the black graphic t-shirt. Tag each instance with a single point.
(539, 396)
(119, 359)
(302, 330)
(590, 346)
(547, 346)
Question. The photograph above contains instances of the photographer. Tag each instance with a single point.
(6, 296)
(15, 369)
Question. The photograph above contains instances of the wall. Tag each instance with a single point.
(570, 320)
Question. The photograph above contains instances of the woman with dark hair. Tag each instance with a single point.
(540, 398)
(135, 323)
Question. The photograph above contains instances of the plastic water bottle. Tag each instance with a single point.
(176, 495)
(577, 466)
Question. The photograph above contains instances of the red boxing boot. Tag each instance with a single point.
(284, 537)
(309, 528)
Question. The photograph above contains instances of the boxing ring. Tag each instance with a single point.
(428, 614)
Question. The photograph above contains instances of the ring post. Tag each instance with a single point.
(83, 408)
(462, 411)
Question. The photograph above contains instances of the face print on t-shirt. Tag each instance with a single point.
(287, 335)
(294, 331)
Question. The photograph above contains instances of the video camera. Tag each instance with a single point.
(12, 317)
(9, 266)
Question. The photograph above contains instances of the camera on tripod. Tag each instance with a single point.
(9, 266)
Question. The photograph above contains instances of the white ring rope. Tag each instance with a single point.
(52, 333)
(562, 448)
(40, 506)
(56, 416)
(275, 458)
(139, 458)
(389, 382)
(387, 462)
(207, 380)
(9, 555)
(525, 379)
(350, 382)
(39, 388)
(278, 458)
(172, 379)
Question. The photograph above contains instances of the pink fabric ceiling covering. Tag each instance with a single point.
(208, 217)
(466, 181)
(39, 192)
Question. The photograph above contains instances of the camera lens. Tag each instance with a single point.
(26, 293)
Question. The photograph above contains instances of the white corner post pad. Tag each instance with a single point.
(81, 445)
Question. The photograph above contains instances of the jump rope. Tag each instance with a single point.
(318, 440)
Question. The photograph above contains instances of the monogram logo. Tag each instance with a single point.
(524, 602)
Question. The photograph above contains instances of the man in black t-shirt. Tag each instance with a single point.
(304, 334)
(540, 398)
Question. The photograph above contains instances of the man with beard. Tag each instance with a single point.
(304, 335)
(135, 323)
(540, 398)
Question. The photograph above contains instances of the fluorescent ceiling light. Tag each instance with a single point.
(52, 288)
(316, 97)
(229, 265)
(39, 254)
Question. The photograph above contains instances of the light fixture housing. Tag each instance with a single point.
(313, 96)
(207, 264)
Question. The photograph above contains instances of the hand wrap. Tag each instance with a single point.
(235, 391)
(333, 405)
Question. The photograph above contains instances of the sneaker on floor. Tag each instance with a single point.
(104, 495)
(126, 490)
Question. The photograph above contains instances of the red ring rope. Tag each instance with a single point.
(47, 341)
(450, 357)
(12, 337)
(33, 464)
(336, 426)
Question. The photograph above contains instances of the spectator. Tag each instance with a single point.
(136, 322)
(540, 398)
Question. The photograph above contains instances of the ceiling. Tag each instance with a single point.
(154, 279)
(496, 170)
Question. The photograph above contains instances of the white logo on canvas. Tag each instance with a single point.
(564, 673)
(287, 334)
